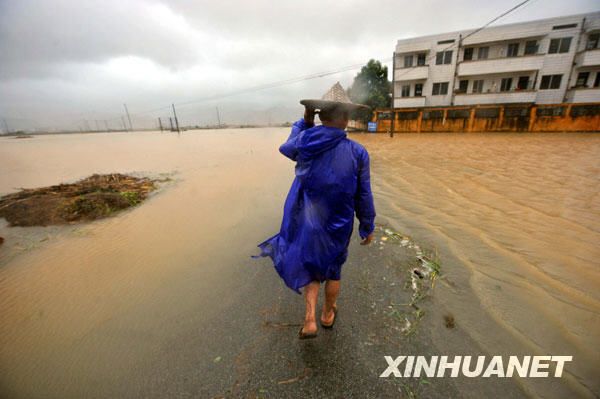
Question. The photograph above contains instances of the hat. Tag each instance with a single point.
(335, 96)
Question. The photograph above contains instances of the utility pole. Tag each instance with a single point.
(176, 121)
(393, 94)
(171, 123)
(218, 118)
(128, 117)
(6, 126)
(97, 126)
(124, 125)
(106, 125)
(455, 75)
(160, 124)
(573, 61)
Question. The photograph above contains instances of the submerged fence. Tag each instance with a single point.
(491, 118)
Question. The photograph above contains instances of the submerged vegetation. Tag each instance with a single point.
(425, 269)
(94, 197)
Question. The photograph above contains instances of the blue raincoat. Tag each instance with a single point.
(332, 182)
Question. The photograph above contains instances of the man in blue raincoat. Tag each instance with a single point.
(332, 183)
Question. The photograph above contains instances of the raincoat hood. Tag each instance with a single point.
(313, 141)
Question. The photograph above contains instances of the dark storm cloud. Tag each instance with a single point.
(73, 56)
(35, 36)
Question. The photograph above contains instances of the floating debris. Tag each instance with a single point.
(95, 197)
(449, 321)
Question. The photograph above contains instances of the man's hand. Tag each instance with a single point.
(309, 116)
(367, 239)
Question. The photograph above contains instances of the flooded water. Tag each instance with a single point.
(515, 218)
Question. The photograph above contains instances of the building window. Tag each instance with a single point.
(531, 47)
(582, 79)
(568, 26)
(506, 84)
(440, 89)
(408, 61)
(463, 85)
(421, 59)
(406, 91)
(561, 45)
(448, 57)
(523, 83)
(443, 57)
(418, 89)
(597, 81)
(477, 86)
(446, 41)
(482, 53)
(593, 41)
(468, 54)
(550, 82)
(513, 50)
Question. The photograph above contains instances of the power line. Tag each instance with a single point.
(505, 13)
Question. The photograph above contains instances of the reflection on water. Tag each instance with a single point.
(516, 219)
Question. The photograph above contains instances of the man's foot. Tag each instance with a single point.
(309, 330)
(328, 317)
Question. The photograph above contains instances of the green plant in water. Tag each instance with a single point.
(132, 197)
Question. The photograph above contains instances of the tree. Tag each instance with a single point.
(371, 87)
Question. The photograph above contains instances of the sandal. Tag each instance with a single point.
(303, 335)
(330, 326)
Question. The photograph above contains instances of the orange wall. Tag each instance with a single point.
(508, 118)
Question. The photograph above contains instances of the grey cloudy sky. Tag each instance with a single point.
(65, 61)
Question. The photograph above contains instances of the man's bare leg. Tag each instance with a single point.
(311, 294)
(332, 289)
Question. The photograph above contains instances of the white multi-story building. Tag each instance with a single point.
(546, 61)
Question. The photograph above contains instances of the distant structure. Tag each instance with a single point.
(337, 93)
(547, 61)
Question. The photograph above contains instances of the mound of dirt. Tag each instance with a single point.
(95, 197)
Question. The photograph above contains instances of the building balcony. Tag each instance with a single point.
(413, 73)
(409, 102)
(584, 95)
(501, 65)
(589, 58)
(502, 97)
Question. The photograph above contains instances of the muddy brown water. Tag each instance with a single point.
(515, 218)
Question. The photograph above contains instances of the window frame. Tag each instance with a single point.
(470, 52)
(586, 79)
(520, 79)
(408, 58)
(477, 86)
(443, 57)
(420, 86)
(442, 89)
(402, 91)
(557, 45)
(448, 57)
(531, 45)
(485, 51)
(512, 50)
(506, 84)
(593, 38)
(550, 82)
